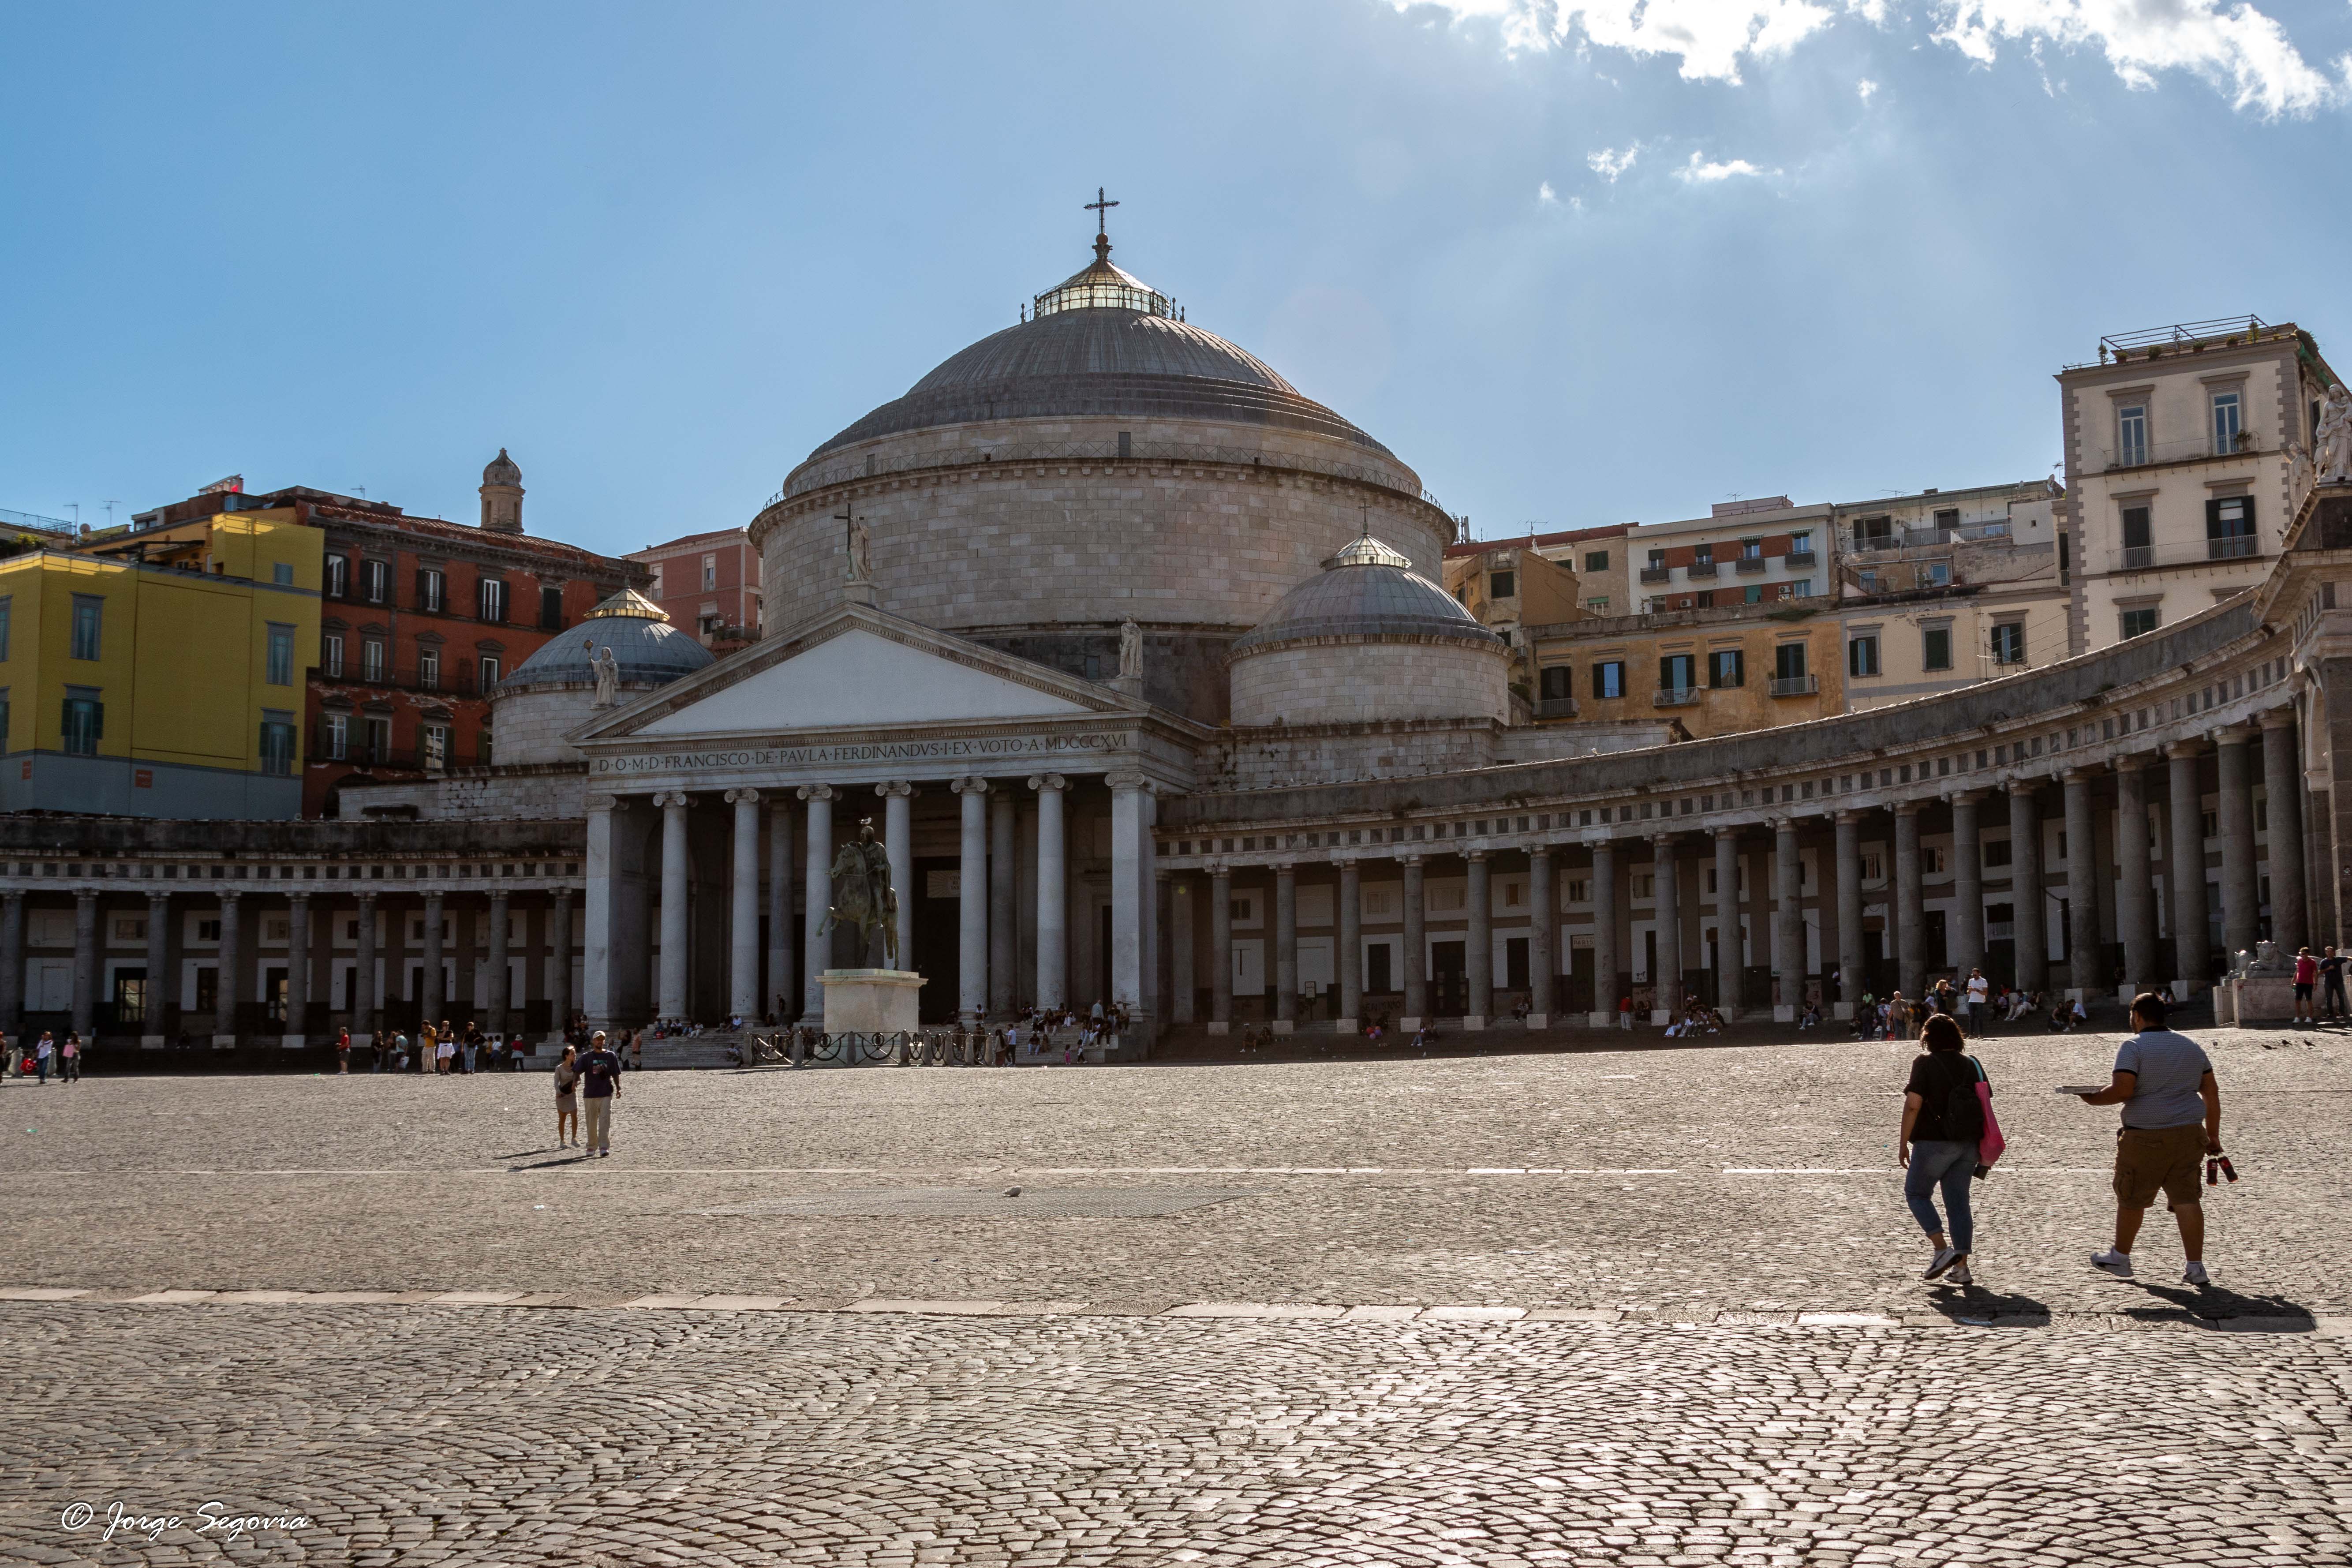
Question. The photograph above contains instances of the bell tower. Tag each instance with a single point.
(502, 495)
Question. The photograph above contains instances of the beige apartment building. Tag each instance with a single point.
(2188, 452)
(1755, 552)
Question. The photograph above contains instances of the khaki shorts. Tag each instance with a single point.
(2163, 1159)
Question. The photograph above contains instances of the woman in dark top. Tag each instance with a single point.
(1941, 1128)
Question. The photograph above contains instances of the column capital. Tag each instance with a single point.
(2023, 786)
(1127, 779)
(302, 894)
(968, 784)
(602, 800)
(1965, 796)
(2080, 778)
(1905, 808)
(742, 798)
(1841, 814)
(2177, 749)
(895, 789)
(2277, 718)
(1726, 832)
(2131, 761)
(225, 895)
(85, 894)
(499, 895)
(1410, 862)
(1219, 871)
(815, 792)
(2235, 734)
(1474, 855)
(669, 798)
(1285, 868)
(1782, 824)
(154, 895)
(367, 897)
(1540, 851)
(1047, 781)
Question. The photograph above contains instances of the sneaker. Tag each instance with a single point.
(1959, 1276)
(2115, 1263)
(2195, 1275)
(1945, 1258)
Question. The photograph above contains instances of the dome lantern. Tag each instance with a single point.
(502, 495)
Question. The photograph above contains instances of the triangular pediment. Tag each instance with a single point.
(857, 669)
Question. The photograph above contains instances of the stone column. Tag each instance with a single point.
(1053, 893)
(744, 905)
(1788, 920)
(1286, 947)
(1348, 962)
(2282, 797)
(1220, 945)
(559, 965)
(2033, 931)
(2241, 895)
(298, 968)
(1910, 915)
(779, 994)
(2193, 943)
(1543, 939)
(12, 963)
(87, 968)
(1127, 889)
(429, 983)
(1727, 921)
(1161, 910)
(815, 941)
(159, 969)
(899, 848)
(365, 1004)
(1416, 948)
(676, 862)
(1480, 957)
(1851, 965)
(1004, 910)
(2135, 884)
(2082, 888)
(228, 968)
(602, 868)
(1148, 846)
(1184, 899)
(1666, 994)
(1604, 935)
(971, 903)
(1966, 927)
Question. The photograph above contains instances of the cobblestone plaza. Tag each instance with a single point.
(1628, 1306)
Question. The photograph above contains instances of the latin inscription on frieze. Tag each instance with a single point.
(975, 749)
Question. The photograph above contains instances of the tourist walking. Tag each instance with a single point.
(2331, 982)
(567, 1099)
(1943, 1122)
(343, 1050)
(2171, 1115)
(2306, 979)
(45, 1051)
(69, 1060)
(599, 1073)
(1979, 992)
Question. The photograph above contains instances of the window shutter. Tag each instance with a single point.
(1738, 667)
(97, 720)
(424, 590)
(2212, 520)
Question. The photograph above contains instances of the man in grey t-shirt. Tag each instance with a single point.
(2172, 1115)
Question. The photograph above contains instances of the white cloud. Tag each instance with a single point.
(1609, 165)
(1867, 89)
(1546, 196)
(2242, 52)
(1699, 171)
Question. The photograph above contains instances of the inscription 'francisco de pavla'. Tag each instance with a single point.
(877, 752)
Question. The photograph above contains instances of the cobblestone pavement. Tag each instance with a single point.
(1746, 1193)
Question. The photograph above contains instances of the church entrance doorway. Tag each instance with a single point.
(938, 913)
(1450, 988)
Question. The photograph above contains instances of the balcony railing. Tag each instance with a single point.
(2235, 547)
(1929, 538)
(1751, 564)
(398, 759)
(1677, 696)
(452, 679)
(2187, 449)
(1796, 685)
(1556, 707)
(1657, 573)
(1798, 560)
(1699, 569)
(2139, 557)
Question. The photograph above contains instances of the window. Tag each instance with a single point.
(489, 672)
(379, 740)
(1596, 561)
(1727, 667)
(1598, 606)
(1996, 852)
(1936, 648)
(1862, 654)
(491, 599)
(1936, 575)
(1788, 662)
(87, 611)
(330, 654)
(1752, 594)
(1502, 584)
(1609, 679)
(1702, 556)
(1948, 522)
(281, 655)
(1678, 671)
(2131, 435)
(85, 722)
(2008, 643)
(375, 580)
(550, 609)
(437, 747)
(2226, 410)
(432, 589)
(710, 571)
(277, 743)
(1557, 683)
(2139, 545)
(483, 755)
(1803, 588)
(371, 660)
(428, 668)
(1801, 542)
(1931, 860)
(339, 736)
(1751, 549)
(1704, 599)
(339, 577)
(282, 574)
(1865, 581)
(1657, 560)
(2229, 529)
(1874, 867)
(657, 586)
(2139, 621)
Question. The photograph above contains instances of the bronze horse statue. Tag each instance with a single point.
(863, 898)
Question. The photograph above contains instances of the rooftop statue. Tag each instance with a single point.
(2334, 437)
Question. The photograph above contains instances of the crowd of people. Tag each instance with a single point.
(42, 1056)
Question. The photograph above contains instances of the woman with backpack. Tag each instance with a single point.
(1944, 1123)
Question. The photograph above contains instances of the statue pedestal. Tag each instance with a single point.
(871, 1001)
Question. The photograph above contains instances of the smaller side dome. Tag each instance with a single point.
(501, 471)
(1367, 592)
(648, 650)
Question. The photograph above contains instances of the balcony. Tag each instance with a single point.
(2139, 557)
(1556, 707)
(1698, 568)
(1796, 685)
(1747, 563)
(2187, 449)
(357, 753)
(2236, 547)
(1657, 573)
(450, 679)
(1677, 696)
(1799, 560)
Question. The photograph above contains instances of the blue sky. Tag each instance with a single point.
(1582, 265)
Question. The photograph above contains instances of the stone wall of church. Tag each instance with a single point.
(550, 793)
(1004, 546)
(1283, 757)
(1354, 682)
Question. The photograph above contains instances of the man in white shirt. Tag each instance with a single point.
(1979, 992)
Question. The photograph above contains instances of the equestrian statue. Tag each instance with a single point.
(864, 899)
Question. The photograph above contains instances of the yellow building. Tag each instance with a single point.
(1715, 672)
(161, 672)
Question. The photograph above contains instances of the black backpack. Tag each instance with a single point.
(1963, 1112)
